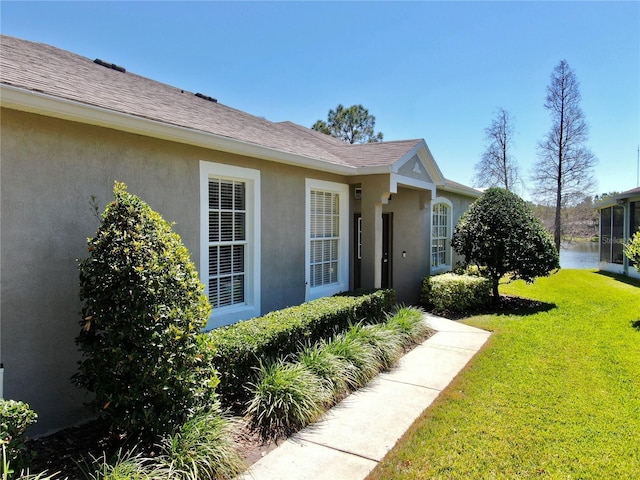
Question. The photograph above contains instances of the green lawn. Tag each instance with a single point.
(554, 394)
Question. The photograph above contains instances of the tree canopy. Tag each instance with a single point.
(353, 124)
(501, 234)
(563, 173)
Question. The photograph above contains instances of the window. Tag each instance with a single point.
(634, 223)
(611, 234)
(230, 250)
(227, 242)
(441, 234)
(327, 238)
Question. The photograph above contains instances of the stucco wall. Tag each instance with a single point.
(50, 170)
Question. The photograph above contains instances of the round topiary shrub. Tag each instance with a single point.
(143, 311)
(501, 235)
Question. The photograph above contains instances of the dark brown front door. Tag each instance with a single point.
(387, 243)
(357, 251)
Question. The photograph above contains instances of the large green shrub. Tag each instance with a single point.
(632, 250)
(451, 292)
(142, 314)
(15, 418)
(500, 234)
(240, 347)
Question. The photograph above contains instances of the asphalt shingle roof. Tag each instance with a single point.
(46, 69)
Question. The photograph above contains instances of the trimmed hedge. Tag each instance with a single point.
(450, 292)
(240, 347)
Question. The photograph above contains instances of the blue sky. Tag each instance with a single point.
(432, 70)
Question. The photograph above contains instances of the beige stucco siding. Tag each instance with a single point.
(283, 233)
(50, 170)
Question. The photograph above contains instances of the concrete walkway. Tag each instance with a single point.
(357, 433)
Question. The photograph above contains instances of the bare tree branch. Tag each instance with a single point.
(497, 167)
(563, 174)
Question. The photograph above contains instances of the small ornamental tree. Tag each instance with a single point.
(500, 233)
(632, 250)
(143, 310)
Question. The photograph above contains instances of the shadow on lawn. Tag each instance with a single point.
(508, 305)
(636, 324)
(521, 306)
(620, 278)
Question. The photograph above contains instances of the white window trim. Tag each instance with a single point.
(251, 307)
(342, 284)
(447, 266)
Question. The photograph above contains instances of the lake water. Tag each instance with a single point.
(583, 255)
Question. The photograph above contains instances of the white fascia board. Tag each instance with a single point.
(396, 180)
(432, 167)
(48, 105)
(467, 191)
(609, 202)
(375, 170)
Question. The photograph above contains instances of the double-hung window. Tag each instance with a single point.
(230, 252)
(440, 235)
(227, 242)
(327, 249)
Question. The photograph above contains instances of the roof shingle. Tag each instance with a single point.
(59, 73)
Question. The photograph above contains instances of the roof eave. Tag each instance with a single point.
(17, 98)
(618, 199)
(461, 190)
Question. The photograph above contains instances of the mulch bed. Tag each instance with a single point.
(69, 450)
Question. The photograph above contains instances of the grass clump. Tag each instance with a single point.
(386, 344)
(239, 347)
(202, 449)
(407, 323)
(127, 465)
(331, 369)
(286, 398)
(353, 348)
(289, 395)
